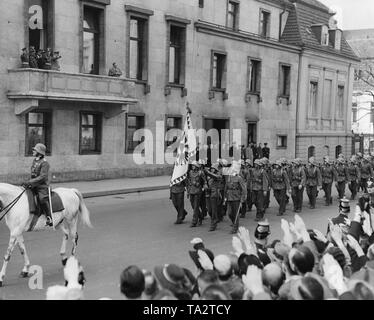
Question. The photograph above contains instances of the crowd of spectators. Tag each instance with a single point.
(305, 264)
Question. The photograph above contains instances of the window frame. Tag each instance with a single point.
(268, 12)
(330, 97)
(282, 86)
(224, 71)
(354, 112)
(98, 132)
(174, 116)
(286, 140)
(47, 127)
(311, 115)
(340, 106)
(127, 151)
(258, 75)
(236, 14)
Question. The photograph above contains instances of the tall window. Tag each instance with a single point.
(264, 23)
(137, 46)
(38, 130)
(177, 54)
(340, 102)
(284, 80)
(90, 133)
(233, 15)
(171, 134)
(325, 36)
(313, 93)
(218, 70)
(338, 150)
(354, 112)
(91, 40)
(281, 141)
(133, 123)
(254, 75)
(40, 23)
(327, 99)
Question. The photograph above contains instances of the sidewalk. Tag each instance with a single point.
(101, 188)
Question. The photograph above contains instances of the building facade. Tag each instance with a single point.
(231, 60)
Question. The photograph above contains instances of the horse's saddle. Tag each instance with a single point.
(34, 204)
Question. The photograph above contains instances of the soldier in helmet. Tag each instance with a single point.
(366, 173)
(196, 184)
(260, 186)
(177, 197)
(214, 181)
(313, 180)
(235, 194)
(353, 177)
(328, 177)
(39, 182)
(249, 184)
(244, 174)
(203, 200)
(341, 177)
(297, 181)
(267, 168)
(280, 185)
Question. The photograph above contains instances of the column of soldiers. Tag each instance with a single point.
(234, 189)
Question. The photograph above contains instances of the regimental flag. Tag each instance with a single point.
(186, 150)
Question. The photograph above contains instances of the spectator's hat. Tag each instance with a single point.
(344, 206)
(197, 243)
(262, 230)
(170, 276)
(222, 265)
(40, 148)
(195, 257)
(195, 164)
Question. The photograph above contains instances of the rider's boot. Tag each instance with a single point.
(47, 213)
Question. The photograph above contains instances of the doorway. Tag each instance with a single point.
(252, 133)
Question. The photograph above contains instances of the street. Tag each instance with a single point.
(133, 229)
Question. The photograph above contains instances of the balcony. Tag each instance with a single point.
(28, 86)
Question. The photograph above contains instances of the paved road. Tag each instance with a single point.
(130, 229)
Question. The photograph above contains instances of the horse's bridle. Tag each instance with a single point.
(10, 205)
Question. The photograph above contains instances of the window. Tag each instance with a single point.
(177, 54)
(133, 123)
(340, 102)
(311, 151)
(326, 114)
(38, 130)
(218, 70)
(201, 3)
(254, 75)
(40, 22)
(91, 40)
(325, 36)
(138, 44)
(264, 23)
(284, 80)
(354, 112)
(313, 92)
(90, 133)
(233, 15)
(281, 141)
(338, 150)
(171, 135)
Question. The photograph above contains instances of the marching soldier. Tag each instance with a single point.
(249, 185)
(366, 173)
(235, 194)
(195, 185)
(267, 169)
(203, 200)
(260, 186)
(313, 180)
(328, 177)
(297, 180)
(177, 197)
(214, 180)
(341, 177)
(244, 174)
(353, 177)
(280, 185)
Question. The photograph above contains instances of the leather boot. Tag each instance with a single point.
(47, 213)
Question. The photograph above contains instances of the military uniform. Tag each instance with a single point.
(266, 152)
(214, 181)
(297, 181)
(235, 193)
(328, 177)
(244, 174)
(280, 185)
(260, 185)
(196, 184)
(249, 189)
(313, 180)
(366, 172)
(341, 179)
(353, 179)
(177, 197)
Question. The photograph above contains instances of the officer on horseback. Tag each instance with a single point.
(39, 182)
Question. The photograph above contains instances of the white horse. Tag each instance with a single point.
(19, 219)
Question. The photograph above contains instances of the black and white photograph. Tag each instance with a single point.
(186, 150)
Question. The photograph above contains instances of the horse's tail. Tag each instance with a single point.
(84, 213)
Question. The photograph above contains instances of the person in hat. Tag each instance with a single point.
(297, 181)
(313, 180)
(344, 210)
(196, 183)
(266, 151)
(280, 184)
(267, 167)
(204, 202)
(260, 185)
(249, 203)
(214, 182)
(39, 182)
(177, 197)
(262, 234)
(249, 153)
(341, 178)
(114, 71)
(235, 193)
(353, 177)
(244, 173)
(366, 173)
(328, 177)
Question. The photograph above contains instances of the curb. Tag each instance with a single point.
(122, 191)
